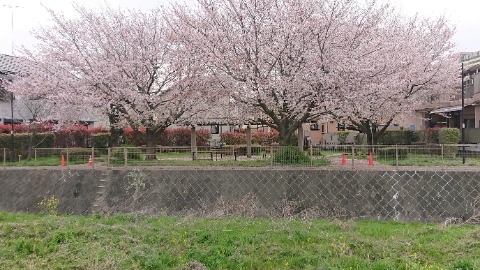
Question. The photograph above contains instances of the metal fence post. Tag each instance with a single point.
(271, 155)
(125, 156)
(109, 153)
(93, 157)
(68, 159)
(353, 156)
(396, 155)
(441, 153)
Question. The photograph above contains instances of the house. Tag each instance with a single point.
(21, 110)
(447, 113)
(10, 107)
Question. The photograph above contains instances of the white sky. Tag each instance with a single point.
(465, 14)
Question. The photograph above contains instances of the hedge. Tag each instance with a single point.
(101, 140)
(22, 142)
(431, 135)
(169, 137)
(394, 137)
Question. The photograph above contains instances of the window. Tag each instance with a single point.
(215, 129)
(314, 126)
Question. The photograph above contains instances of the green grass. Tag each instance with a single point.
(428, 160)
(184, 159)
(46, 161)
(94, 242)
(220, 163)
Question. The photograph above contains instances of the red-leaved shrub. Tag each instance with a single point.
(265, 137)
(233, 138)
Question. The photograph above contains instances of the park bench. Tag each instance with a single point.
(213, 153)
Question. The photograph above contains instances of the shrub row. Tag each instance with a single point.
(442, 135)
(169, 137)
(404, 137)
(24, 142)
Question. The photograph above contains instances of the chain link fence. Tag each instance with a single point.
(253, 192)
(336, 156)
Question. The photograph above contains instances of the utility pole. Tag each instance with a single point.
(462, 118)
(12, 131)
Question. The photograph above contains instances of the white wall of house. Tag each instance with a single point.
(20, 111)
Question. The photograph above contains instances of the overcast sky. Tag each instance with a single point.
(464, 14)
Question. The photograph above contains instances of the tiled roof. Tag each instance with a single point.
(9, 64)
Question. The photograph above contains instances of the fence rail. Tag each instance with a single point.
(348, 156)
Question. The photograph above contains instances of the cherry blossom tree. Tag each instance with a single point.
(407, 62)
(288, 62)
(122, 63)
(259, 52)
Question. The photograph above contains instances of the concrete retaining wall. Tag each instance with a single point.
(386, 195)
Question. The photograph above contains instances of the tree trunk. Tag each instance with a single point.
(193, 142)
(284, 137)
(115, 133)
(371, 129)
(151, 143)
(249, 142)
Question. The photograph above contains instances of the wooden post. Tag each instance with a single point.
(193, 142)
(249, 142)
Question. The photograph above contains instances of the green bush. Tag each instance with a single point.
(421, 136)
(449, 136)
(101, 140)
(394, 137)
(290, 155)
(23, 142)
(342, 136)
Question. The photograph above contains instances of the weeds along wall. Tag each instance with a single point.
(379, 195)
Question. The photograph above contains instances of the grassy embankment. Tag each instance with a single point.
(94, 242)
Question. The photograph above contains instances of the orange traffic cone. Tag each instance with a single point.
(63, 163)
(344, 160)
(370, 159)
(90, 161)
